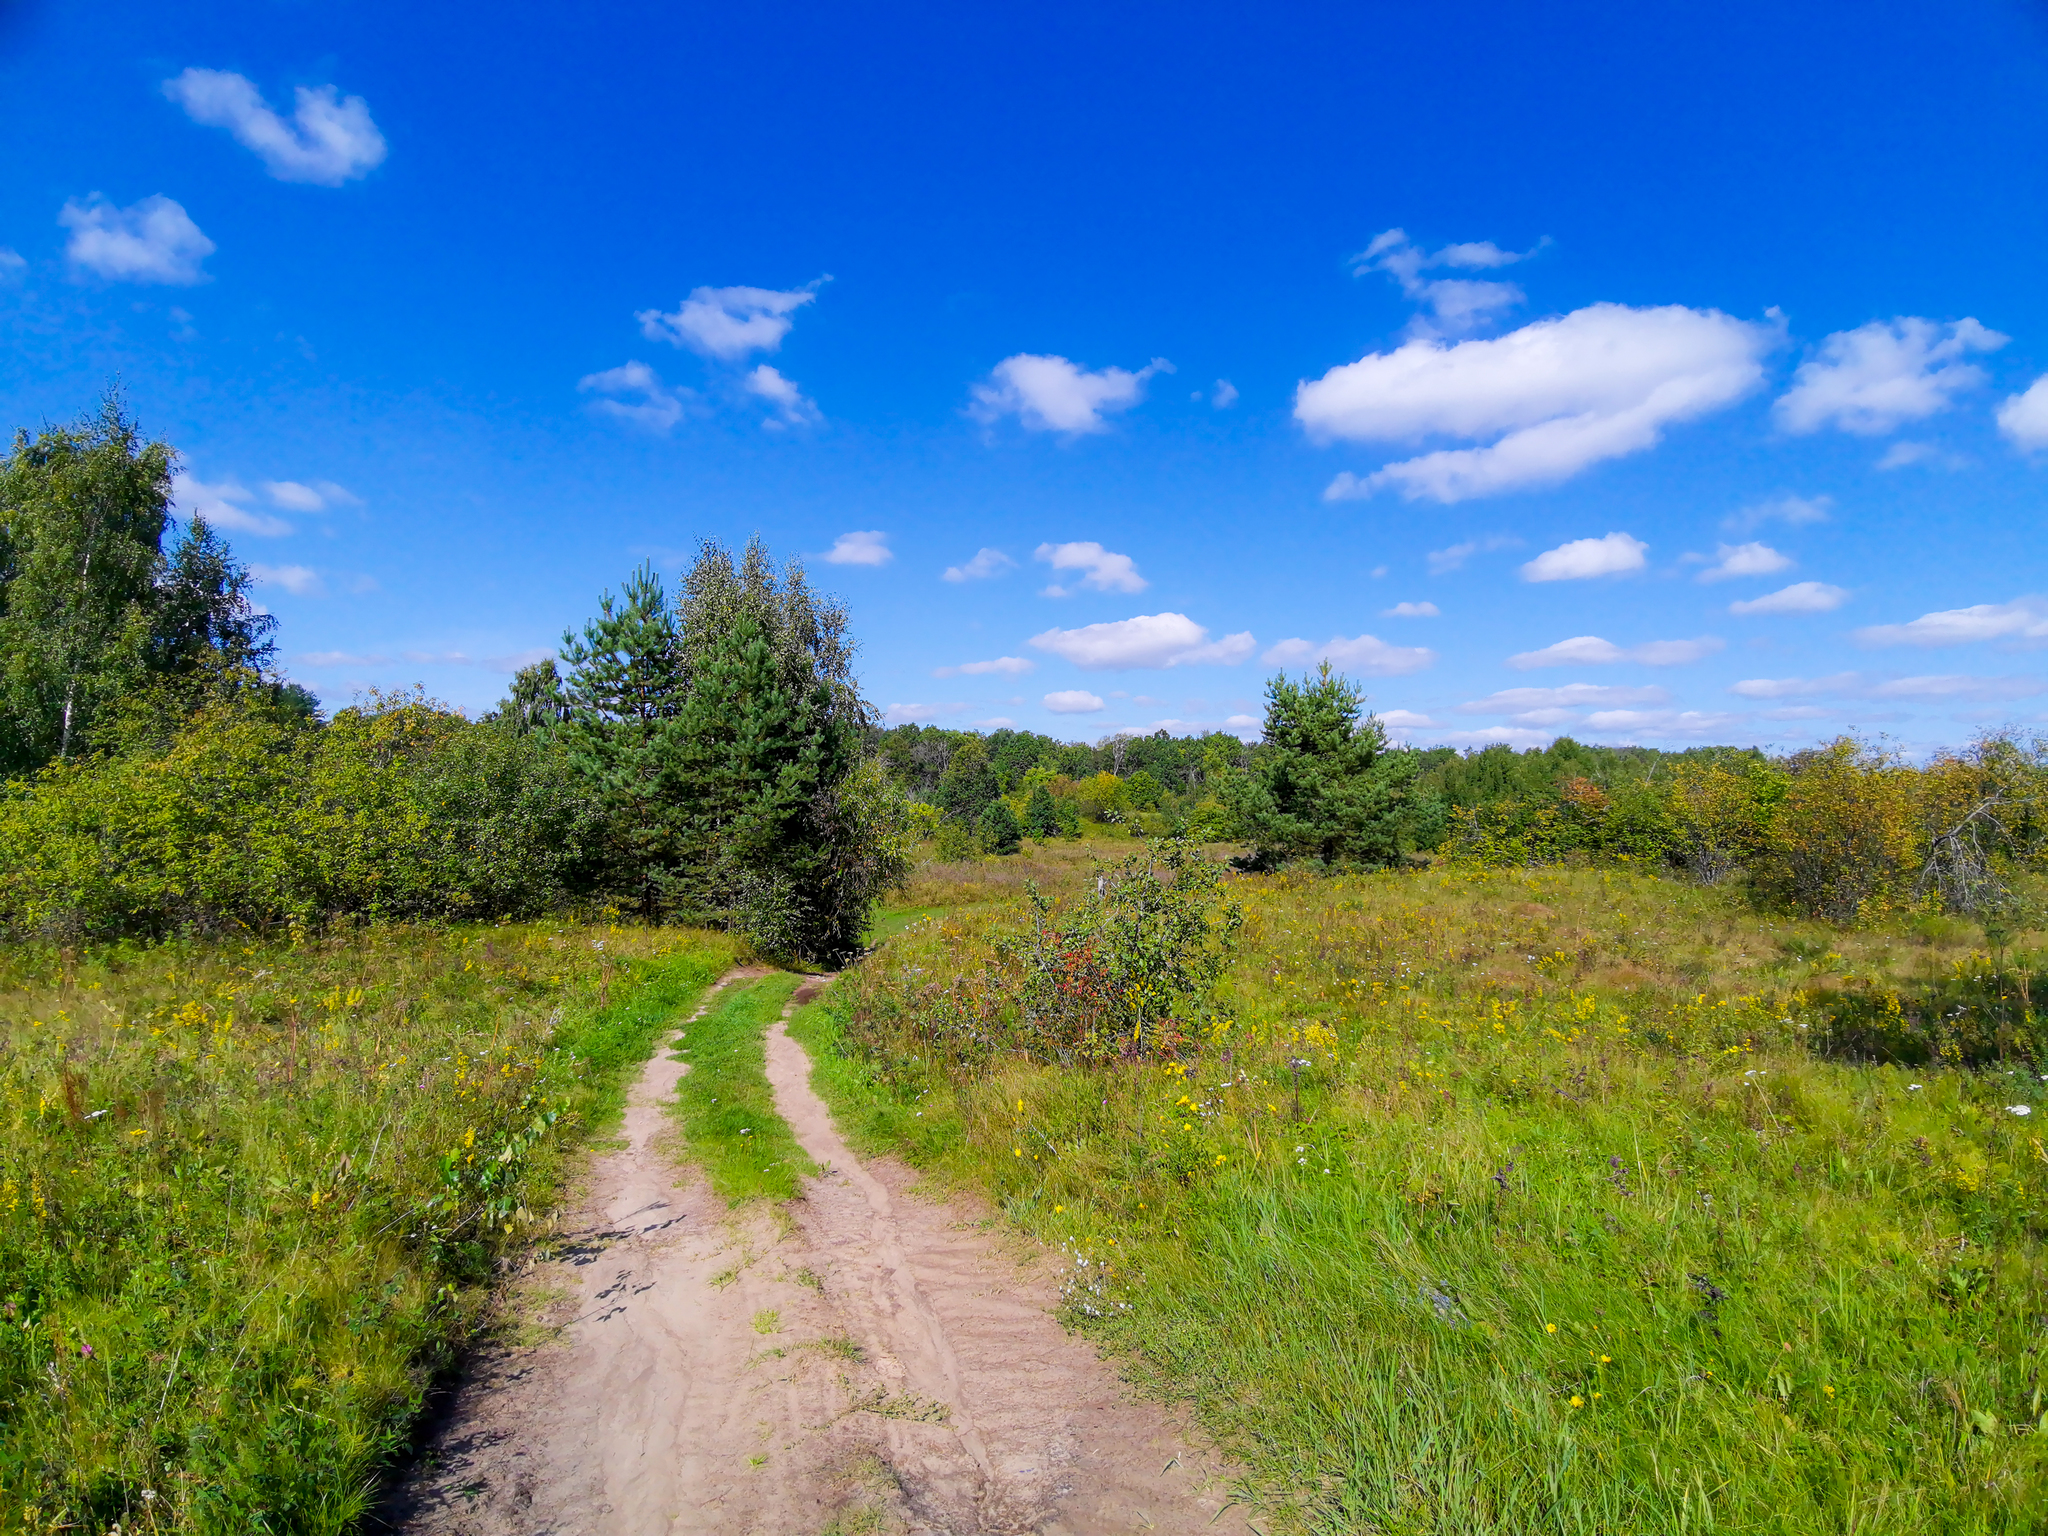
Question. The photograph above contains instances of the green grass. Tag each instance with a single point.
(725, 1104)
(253, 1195)
(1605, 1242)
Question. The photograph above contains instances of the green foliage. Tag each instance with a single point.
(1496, 1203)
(725, 1103)
(999, 829)
(252, 1198)
(968, 783)
(1324, 786)
(248, 817)
(1041, 814)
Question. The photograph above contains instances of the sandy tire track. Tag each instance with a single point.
(639, 1399)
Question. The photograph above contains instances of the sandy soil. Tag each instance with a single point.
(863, 1361)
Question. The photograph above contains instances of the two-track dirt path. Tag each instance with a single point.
(865, 1356)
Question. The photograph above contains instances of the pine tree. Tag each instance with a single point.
(1324, 785)
(998, 828)
(1041, 813)
(626, 688)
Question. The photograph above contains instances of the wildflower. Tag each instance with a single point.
(1057, 1209)
(2019, 1109)
(1550, 1327)
(1578, 1401)
(1605, 1361)
(1912, 1087)
(1017, 1151)
(1829, 1390)
(85, 1351)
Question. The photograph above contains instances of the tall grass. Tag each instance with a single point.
(725, 1104)
(252, 1195)
(1543, 1203)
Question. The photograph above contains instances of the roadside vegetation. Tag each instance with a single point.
(252, 1196)
(724, 1102)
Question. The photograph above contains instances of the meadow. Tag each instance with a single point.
(254, 1195)
(1578, 1200)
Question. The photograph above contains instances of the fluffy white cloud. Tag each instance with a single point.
(2023, 619)
(329, 140)
(1854, 685)
(153, 241)
(1879, 376)
(1150, 640)
(1660, 722)
(1554, 397)
(505, 664)
(658, 409)
(12, 264)
(919, 714)
(1752, 559)
(1050, 394)
(1073, 701)
(1591, 650)
(217, 503)
(1223, 396)
(2024, 417)
(301, 580)
(1518, 701)
(295, 496)
(1368, 654)
(1443, 561)
(1412, 611)
(339, 659)
(728, 323)
(1614, 555)
(769, 384)
(1903, 453)
(1454, 303)
(1002, 666)
(1793, 511)
(1101, 570)
(1800, 597)
(1404, 720)
(986, 563)
(1495, 735)
(865, 548)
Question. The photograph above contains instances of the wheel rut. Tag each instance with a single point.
(864, 1359)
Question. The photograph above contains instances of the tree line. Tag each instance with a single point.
(699, 756)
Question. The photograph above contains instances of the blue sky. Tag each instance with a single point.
(1650, 374)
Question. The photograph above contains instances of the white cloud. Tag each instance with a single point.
(1591, 650)
(658, 409)
(2022, 619)
(782, 393)
(1495, 735)
(1443, 561)
(1752, 559)
(1050, 394)
(300, 580)
(329, 140)
(1519, 701)
(1104, 571)
(866, 548)
(295, 496)
(2024, 417)
(1874, 379)
(1456, 303)
(986, 563)
(1002, 666)
(1412, 611)
(217, 504)
(918, 714)
(1904, 452)
(153, 241)
(339, 659)
(1554, 397)
(1614, 555)
(1368, 655)
(1793, 511)
(12, 264)
(1224, 396)
(1073, 701)
(1150, 640)
(1660, 722)
(1404, 720)
(1854, 685)
(1800, 597)
(728, 323)
(504, 664)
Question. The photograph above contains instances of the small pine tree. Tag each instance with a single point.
(1041, 813)
(999, 830)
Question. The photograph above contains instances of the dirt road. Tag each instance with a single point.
(864, 1360)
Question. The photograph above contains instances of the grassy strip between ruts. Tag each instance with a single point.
(252, 1194)
(725, 1103)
